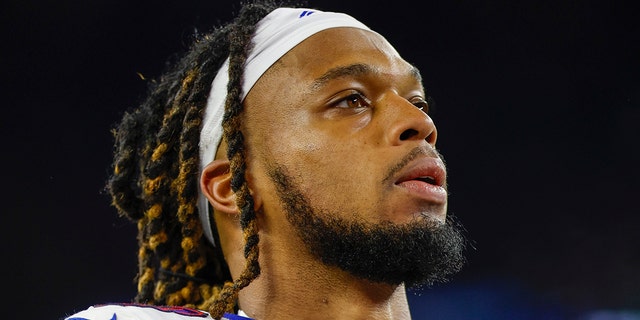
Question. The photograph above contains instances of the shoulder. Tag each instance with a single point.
(130, 311)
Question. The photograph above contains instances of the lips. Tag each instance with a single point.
(425, 178)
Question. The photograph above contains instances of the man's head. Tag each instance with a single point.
(340, 147)
(330, 150)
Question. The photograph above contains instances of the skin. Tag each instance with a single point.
(339, 137)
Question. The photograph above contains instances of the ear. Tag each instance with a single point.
(215, 183)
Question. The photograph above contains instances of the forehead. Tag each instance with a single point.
(337, 53)
(343, 46)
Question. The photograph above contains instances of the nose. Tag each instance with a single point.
(407, 122)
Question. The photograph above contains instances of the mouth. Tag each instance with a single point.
(427, 179)
(424, 178)
(426, 170)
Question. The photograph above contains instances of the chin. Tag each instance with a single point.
(440, 218)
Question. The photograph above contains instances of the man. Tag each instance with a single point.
(285, 167)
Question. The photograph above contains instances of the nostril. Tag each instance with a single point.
(408, 134)
(433, 136)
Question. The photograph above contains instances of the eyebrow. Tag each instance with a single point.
(354, 70)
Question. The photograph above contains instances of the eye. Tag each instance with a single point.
(353, 101)
(421, 103)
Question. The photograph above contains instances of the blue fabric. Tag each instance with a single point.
(229, 316)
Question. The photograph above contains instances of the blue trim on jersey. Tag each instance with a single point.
(229, 316)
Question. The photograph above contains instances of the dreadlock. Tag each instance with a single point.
(155, 174)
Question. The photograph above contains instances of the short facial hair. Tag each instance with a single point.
(419, 253)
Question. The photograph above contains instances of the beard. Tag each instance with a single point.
(419, 253)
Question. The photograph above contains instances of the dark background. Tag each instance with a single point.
(538, 111)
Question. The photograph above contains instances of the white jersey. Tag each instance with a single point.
(133, 311)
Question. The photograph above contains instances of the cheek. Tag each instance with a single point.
(331, 175)
(329, 163)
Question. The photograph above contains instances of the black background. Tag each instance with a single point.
(537, 107)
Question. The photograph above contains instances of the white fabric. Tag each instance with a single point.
(142, 312)
(276, 34)
(138, 312)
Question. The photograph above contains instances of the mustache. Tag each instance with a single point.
(413, 154)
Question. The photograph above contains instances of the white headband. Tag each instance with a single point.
(275, 35)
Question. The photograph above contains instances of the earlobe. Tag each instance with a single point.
(215, 183)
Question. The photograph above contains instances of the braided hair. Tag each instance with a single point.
(155, 174)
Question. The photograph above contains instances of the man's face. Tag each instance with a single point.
(339, 117)
(341, 112)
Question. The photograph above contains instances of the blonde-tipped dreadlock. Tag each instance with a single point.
(155, 174)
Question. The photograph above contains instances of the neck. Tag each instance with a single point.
(294, 283)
